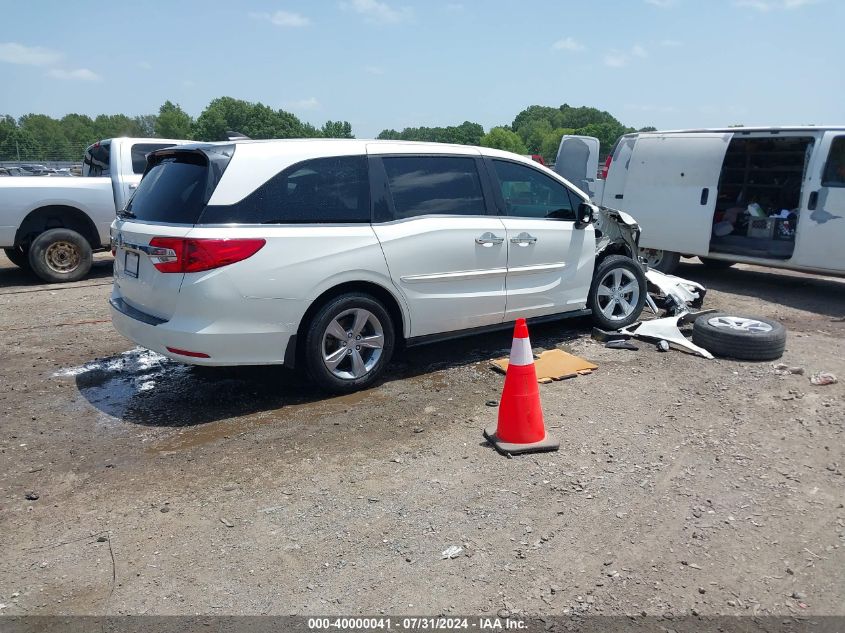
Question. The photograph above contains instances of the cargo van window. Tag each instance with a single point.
(528, 193)
(834, 169)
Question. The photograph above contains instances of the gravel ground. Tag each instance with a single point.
(682, 485)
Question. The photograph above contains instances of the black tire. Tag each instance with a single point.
(715, 264)
(60, 255)
(741, 344)
(606, 266)
(313, 351)
(667, 260)
(19, 256)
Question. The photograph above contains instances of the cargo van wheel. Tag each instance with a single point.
(664, 261)
(60, 255)
(715, 264)
(18, 255)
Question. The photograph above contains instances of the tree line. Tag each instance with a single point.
(535, 130)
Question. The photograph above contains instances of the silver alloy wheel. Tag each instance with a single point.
(740, 323)
(652, 256)
(618, 294)
(353, 343)
(62, 257)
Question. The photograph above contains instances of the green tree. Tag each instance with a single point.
(467, 133)
(337, 129)
(256, 120)
(503, 138)
(173, 122)
(21, 145)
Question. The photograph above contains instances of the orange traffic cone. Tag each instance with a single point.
(520, 428)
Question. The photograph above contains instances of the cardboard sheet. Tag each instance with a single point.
(553, 365)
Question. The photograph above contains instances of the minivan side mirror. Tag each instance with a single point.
(584, 215)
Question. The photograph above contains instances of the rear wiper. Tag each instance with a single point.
(126, 213)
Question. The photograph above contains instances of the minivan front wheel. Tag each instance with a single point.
(618, 292)
(349, 343)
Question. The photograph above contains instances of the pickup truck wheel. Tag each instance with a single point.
(741, 337)
(618, 292)
(349, 343)
(18, 255)
(663, 261)
(60, 255)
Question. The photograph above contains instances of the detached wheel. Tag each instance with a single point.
(618, 292)
(60, 255)
(716, 264)
(349, 343)
(19, 256)
(663, 261)
(740, 337)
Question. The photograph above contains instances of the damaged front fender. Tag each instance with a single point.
(616, 230)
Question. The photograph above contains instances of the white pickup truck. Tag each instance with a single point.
(54, 225)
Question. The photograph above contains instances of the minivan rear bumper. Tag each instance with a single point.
(235, 346)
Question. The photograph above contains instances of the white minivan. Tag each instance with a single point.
(766, 196)
(332, 252)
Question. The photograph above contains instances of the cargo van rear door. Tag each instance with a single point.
(671, 189)
(578, 161)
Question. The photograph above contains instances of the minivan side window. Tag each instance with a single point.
(531, 194)
(434, 185)
(139, 153)
(321, 190)
(834, 170)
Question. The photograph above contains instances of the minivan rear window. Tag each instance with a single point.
(173, 190)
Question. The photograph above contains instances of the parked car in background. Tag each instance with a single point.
(330, 252)
(766, 196)
(53, 225)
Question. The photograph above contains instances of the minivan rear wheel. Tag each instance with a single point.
(349, 342)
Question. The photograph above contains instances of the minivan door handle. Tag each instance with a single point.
(133, 186)
(523, 239)
(705, 193)
(813, 201)
(488, 239)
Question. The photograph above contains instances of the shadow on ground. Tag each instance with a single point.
(824, 296)
(11, 275)
(141, 387)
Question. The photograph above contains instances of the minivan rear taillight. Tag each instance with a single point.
(193, 255)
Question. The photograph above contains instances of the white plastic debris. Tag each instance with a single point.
(451, 552)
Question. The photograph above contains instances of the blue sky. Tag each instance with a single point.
(397, 63)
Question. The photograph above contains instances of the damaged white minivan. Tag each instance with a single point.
(767, 196)
(330, 253)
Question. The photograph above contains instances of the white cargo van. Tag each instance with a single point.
(768, 196)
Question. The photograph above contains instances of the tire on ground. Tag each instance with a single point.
(716, 264)
(605, 266)
(19, 256)
(313, 343)
(740, 344)
(60, 255)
